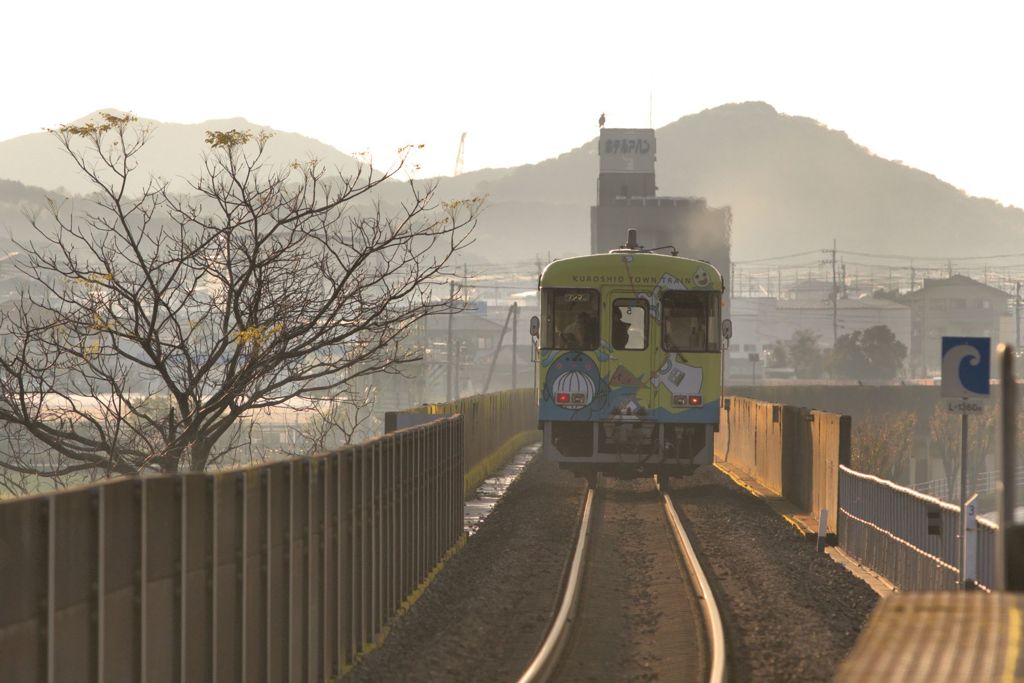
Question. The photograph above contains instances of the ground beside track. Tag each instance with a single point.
(790, 613)
(487, 612)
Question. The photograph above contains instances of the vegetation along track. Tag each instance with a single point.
(636, 605)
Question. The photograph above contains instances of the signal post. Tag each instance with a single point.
(966, 363)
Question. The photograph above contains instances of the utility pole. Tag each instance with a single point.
(448, 347)
(1016, 311)
(835, 293)
(457, 384)
(963, 500)
(515, 340)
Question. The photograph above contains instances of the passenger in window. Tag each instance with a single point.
(673, 333)
(579, 334)
(684, 329)
(698, 334)
(620, 329)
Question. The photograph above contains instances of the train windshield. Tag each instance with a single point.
(690, 321)
(571, 319)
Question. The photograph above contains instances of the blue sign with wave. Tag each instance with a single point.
(965, 366)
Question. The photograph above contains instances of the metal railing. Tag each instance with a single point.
(986, 483)
(280, 572)
(886, 527)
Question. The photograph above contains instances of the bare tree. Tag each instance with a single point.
(944, 433)
(944, 430)
(982, 441)
(881, 443)
(159, 323)
(343, 419)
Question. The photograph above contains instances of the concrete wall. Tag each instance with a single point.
(793, 451)
(853, 400)
(860, 402)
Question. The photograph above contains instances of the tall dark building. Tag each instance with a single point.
(627, 198)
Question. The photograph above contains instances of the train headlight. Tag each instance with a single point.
(695, 400)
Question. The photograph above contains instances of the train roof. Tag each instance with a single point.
(631, 267)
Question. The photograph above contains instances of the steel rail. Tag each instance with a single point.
(544, 662)
(712, 619)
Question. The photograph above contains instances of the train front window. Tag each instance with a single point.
(690, 321)
(571, 319)
(629, 324)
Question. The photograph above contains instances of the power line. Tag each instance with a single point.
(932, 258)
(778, 258)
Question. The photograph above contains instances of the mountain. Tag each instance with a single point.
(174, 151)
(792, 183)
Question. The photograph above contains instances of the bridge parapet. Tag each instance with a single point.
(284, 571)
(496, 426)
(792, 451)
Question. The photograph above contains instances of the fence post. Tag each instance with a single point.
(1010, 542)
(970, 577)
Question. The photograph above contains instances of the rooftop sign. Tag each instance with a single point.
(627, 150)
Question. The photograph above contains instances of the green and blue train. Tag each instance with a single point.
(630, 362)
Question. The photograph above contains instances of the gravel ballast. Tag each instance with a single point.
(486, 613)
(790, 613)
(638, 618)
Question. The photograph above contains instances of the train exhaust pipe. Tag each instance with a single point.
(631, 242)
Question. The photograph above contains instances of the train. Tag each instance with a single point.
(629, 355)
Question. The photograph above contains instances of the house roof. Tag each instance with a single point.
(465, 322)
(956, 280)
(810, 285)
(864, 303)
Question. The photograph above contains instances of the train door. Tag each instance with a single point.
(628, 371)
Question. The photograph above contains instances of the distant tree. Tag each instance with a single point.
(871, 354)
(848, 359)
(888, 294)
(778, 355)
(806, 355)
(881, 443)
(166, 323)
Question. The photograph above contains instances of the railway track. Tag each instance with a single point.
(636, 604)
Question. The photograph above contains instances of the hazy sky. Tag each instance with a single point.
(936, 85)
